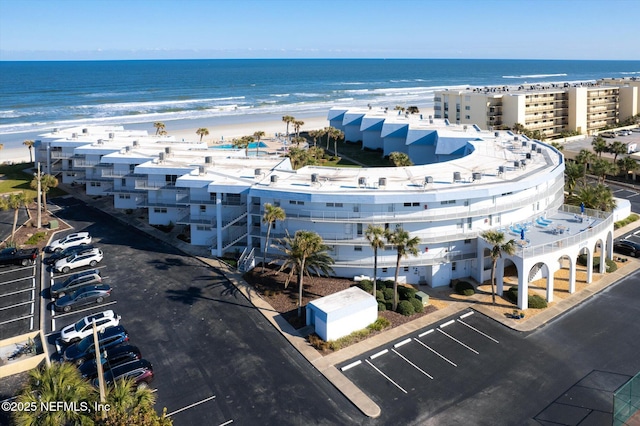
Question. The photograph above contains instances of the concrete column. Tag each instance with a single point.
(500, 277)
(523, 291)
(219, 224)
(549, 284)
(589, 267)
(572, 276)
(603, 262)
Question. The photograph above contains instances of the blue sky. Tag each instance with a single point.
(176, 29)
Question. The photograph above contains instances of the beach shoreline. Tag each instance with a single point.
(221, 130)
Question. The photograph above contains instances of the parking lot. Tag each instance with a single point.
(216, 359)
(19, 300)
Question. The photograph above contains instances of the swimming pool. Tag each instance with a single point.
(252, 145)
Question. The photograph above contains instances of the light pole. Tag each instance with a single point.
(99, 365)
(39, 197)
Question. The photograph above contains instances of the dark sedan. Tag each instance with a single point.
(74, 282)
(627, 247)
(82, 296)
(81, 351)
(54, 257)
(113, 357)
(140, 371)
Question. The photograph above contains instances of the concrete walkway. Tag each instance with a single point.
(326, 365)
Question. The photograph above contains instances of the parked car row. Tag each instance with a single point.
(119, 359)
(73, 251)
(627, 247)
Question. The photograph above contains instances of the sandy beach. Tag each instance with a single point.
(221, 130)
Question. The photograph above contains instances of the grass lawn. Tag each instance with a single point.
(13, 179)
(354, 151)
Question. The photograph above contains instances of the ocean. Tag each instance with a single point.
(38, 96)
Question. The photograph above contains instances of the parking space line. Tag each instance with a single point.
(478, 331)
(15, 281)
(441, 356)
(190, 406)
(468, 314)
(382, 352)
(17, 319)
(458, 341)
(412, 364)
(385, 376)
(15, 292)
(404, 342)
(425, 333)
(447, 323)
(353, 364)
(226, 423)
(84, 310)
(16, 305)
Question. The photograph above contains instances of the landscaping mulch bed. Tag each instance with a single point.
(270, 286)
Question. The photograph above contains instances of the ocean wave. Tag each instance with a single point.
(280, 95)
(630, 72)
(535, 75)
(114, 94)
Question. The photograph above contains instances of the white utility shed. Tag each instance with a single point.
(342, 313)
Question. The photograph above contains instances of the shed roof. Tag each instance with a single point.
(342, 300)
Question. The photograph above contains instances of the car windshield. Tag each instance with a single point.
(80, 325)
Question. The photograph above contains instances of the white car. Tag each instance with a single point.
(78, 260)
(70, 240)
(84, 327)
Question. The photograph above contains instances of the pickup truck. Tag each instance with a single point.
(13, 256)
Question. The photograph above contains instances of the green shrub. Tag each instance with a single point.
(387, 283)
(512, 295)
(388, 294)
(464, 288)
(382, 306)
(389, 305)
(379, 296)
(379, 324)
(611, 266)
(405, 308)
(366, 285)
(35, 238)
(537, 302)
(406, 293)
(417, 305)
(629, 219)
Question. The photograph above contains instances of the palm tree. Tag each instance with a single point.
(124, 397)
(159, 125)
(298, 157)
(288, 119)
(271, 215)
(400, 159)
(375, 236)
(328, 131)
(315, 135)
(298, 140)
(617, 148)
(243, 143)
(305, 253)
(202, 131)
(518, 128)
(558, 146)
(59, 382)
(46, 183)
(29, 144)
(405, 245)
(585, 157)
(496, 239)
(257, 135)
(627, 165)
(296, 126)
(599, 145)
(602, 167)
(15, 201)
(572, 172)
(604, 198)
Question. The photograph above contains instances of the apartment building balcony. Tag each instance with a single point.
(198, 219)
(60, 155)
(84, 163)
(156, 186)
(423, 259)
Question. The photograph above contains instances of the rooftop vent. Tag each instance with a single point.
(112, 135)
(496, 134)
(257, 172)
(539, 150)
(74, 135)
(56, 130)
(533, 146)
(456, 176)
(428, 180)
(208, 160)
(274, 178)
(516, 138)
(161, 156)
(135, 143)
(314, 177)
(127, 148)
(85, 131)
(476, 176)
(201, 170)
(516, 163)
(167, 150)
(464, 127)
(528, 156)
(362, 181)
(382, 181)
(524, 143)
(500, 170)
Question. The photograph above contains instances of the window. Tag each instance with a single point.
(384, 269)
(406, 269)
(357, 248)
(124, 196)
(203, 208)
(469, 222)
(170, 180)
(447, 202)
(467, 117)
(294, 202)
(467, 241)
(467, 108)
(123, 182)
(212, 196)
(203, 228)
(160, 210)
(453, 266)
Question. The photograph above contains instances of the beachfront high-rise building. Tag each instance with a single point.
(466, 181)
(549, 108)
